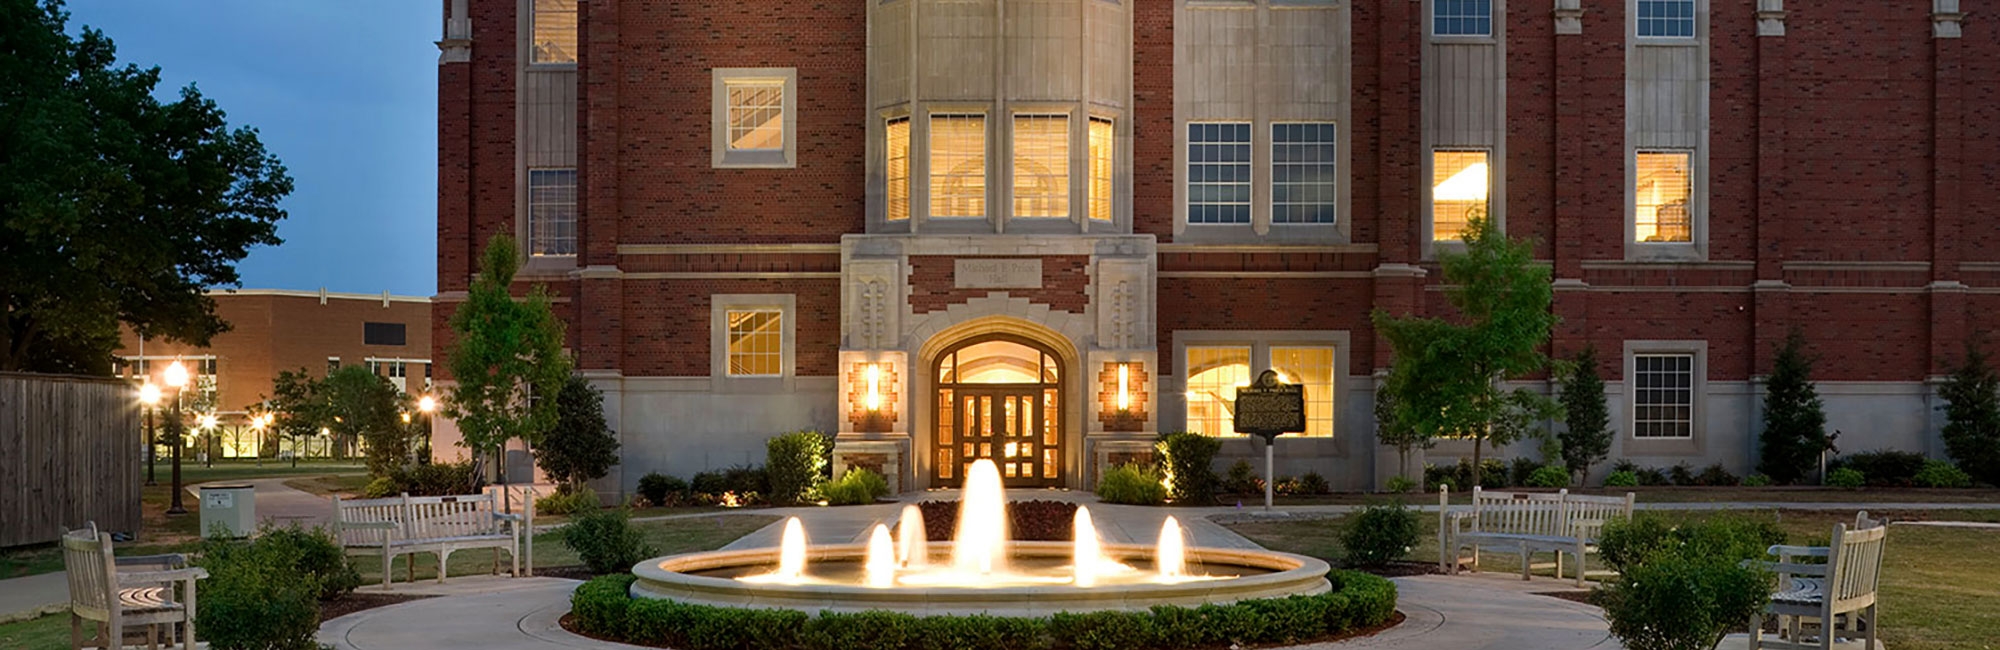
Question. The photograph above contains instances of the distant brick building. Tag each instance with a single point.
(276, 330)
(1042, 231)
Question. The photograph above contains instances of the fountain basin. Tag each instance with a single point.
(1255, 574)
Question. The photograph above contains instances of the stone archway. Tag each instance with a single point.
(1003, 389)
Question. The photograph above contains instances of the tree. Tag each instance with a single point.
(115, 207)
(1794, 417)
(1391, 429)
(505, 355)
(1587, 440)
(1972, 415)
(581, 447)
(357, 404)
(295, 408)
(1449, 373)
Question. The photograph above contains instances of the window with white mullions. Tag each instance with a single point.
(756, 115)
(1304, 172)
(551, 212)
(1103, 152)
(896, 132)
(1462, 17)
(958, 165)
(1218, 173)
(1665, 18)
(755, 342)
(1663, 395)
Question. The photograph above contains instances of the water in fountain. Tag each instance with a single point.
(881, 559)
(792, 552)
(980, 547)
(1171, 556)
(912, 547)
(1089, 551)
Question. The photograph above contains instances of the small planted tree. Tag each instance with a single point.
(506, 357)
(1794, 417)
(295, 408)
(1587, 440)
(357, 404)
(1972, 415)
(1391, 429)
(581, 447)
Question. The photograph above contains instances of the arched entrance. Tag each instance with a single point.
(999, 397)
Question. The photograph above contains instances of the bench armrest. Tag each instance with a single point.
(167, 561)
(1786, 568)
(156, 577)
(1458, 518)
(505, 516)
(1782, 550)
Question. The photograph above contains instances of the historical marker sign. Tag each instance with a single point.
(1270, 408)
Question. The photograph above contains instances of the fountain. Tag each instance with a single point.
(980, 570)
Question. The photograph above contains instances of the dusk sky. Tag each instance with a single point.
(345, 93)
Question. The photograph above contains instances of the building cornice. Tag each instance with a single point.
(323, 295)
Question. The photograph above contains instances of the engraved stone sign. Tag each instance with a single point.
(1270, 408)
(997, 273)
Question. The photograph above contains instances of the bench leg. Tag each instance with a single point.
(1526, 556)
(388, 566)
(444, 558)
(1756, 631)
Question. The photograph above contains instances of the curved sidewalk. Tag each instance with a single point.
(1475, 612)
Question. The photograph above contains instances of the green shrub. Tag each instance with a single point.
(568, 500)
(746, 480)
(1520, 470)
(381, 487)
(1682, 474)
(1942, 474)
(1313, 483)
(1401, 484)
(797, 463)
(1131, 484)
(858, 487)
(1187, 459)
(264, 594)
(1549, 476)
(438, 479)
(1102, 630)
(1756, 480)
(1621, 478)
(1652, 476)
(317, 555)
(1682, 600)
(864, 630)
(980, 632)
(1716, 476)
(1626, 544)
(1884, 467)
(1243, 479)
(606, 541)
(662, 490)
(1379, 534)
(1846, 477)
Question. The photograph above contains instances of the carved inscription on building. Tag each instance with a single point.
(998, 273)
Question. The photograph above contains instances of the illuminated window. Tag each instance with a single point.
(1303, 172)
(1041, 166)
(551, 212)
(756, 115)
(1213, 375)
(1663, 395)
(755, 342)
(554, 31)
(1660, 197)
(1103, 153)
(958, 166)
(1462, 17)
(1460, 185)
(897, 132)
(1666, 18)
(1312, 367)
(1219, 172)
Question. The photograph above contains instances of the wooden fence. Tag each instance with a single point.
(69, 452)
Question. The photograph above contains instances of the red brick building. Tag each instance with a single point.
(1042, 231)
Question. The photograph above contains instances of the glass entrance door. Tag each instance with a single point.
(998, 399)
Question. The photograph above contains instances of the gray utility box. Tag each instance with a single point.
(228, 507)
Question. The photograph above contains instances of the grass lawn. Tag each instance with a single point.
(344, 485)
(1658, 494)
(670, 537)
(45, 633)
(1940, 586)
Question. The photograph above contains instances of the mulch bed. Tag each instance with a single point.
(357, 602)
(570, 572)
(569, 624)
(1572, 596)
(1405, 568)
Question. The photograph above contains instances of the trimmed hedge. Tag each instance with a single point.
(603, 608)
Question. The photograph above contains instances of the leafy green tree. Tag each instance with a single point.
(1447, 382)
(360, 405)
(295, 409)
(581, 447)
(115, 207)
(1587, 440)
(505, 357)
(1391, 429)
(1972, 415)
(1794, 416)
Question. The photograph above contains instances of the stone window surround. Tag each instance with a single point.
(1260, 343)
(1693, 445)
(718, 342)
(1695, 250)
(720, 155)
(1000, 169)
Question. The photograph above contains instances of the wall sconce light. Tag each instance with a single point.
(1124, 391)
(873, 399)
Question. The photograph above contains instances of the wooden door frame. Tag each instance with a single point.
(1034, 390)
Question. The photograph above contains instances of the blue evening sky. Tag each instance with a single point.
(344, 92)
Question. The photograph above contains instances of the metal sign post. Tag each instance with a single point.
(1269, 408)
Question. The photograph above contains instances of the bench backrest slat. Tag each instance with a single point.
(92, 571)
(418, 517)
(1855, 564)
(1518, 513)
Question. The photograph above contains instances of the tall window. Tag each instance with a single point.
(1103, 153)
(1041, 166)
(1462, 17)
(1666, 18)
(1660, 197)
(755, 341)
(756, 115)
(958, 166)
(1303, 173)
(554, 31)
(552, 212)
(1219, 172)
(1213, 375)
(1663, 395)
(897, 131)
(1460, 185)
(1313, 368)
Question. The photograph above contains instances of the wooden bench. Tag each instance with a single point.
(1555, 522)
(116, 593)
(408, 525)
(1821, 594)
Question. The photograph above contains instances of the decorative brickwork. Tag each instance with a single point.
(1065, 280)
(1138, 383)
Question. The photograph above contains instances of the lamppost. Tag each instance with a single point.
(209, 425)
(429, 406)
(177, 379)
(149, 395)
(257, 424)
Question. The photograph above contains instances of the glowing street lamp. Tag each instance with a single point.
(176, 377)
(149, 395)
(427, 404)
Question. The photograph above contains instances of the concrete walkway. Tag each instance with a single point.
(33, 596)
